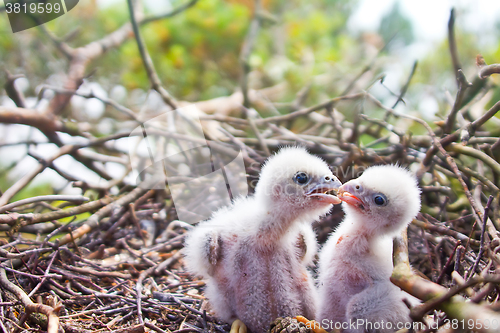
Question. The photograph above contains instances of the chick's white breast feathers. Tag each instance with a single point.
(356, 262)
(253, 254)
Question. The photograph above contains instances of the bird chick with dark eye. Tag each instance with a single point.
(254, 254)
(355, 264)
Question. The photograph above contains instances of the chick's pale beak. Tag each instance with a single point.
(320, 191)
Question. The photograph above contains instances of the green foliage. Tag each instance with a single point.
(196, 53)
(33, 191)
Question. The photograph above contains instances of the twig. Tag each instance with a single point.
(20, 184)
(404, 89)
(463, 84)
(47, 271)
(138, 289)
(458, 148)
(477, 175)
(449, 262)
(454, 305)
(458, 258)
(418, 312)
(148, 62)
(483, 229)
(9, 255)
(470, 128)
(89, 271)
(2, 315)
(306, 111)
(32, 276)
(445, 231)
(94, 220)
(489, 70)
(246, 51)
(50, 312)
(154, 328)
(453, 45)
(135, 220)
(28, 219)
(254, 128)
(167, 263)
(169, 14)
(10, 88)
(77, 198)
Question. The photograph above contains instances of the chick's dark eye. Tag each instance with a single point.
(301, 178)
(379, 200)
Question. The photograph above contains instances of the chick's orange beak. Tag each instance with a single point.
(349, 198)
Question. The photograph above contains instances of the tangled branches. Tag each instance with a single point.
(111, 261)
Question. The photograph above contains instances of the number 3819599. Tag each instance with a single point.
(33, 8)
(471, 324)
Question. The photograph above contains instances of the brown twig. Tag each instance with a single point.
(28, 219)
(148, 62)
(453, 45)
(94, 220)
(72, 198)
(246, 51)
(454, 305)
(463, 84)
(50, 312)
(483, 229)
(489, 70)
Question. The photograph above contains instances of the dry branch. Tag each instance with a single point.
(439, 297)
(50, 312)
(108, 278)
(115, 207)
(29, 218)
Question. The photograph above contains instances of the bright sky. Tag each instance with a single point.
(430, 17)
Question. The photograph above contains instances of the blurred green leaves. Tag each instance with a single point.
(196, 53)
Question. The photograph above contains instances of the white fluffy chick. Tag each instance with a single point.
(355, 264)
(254, 253)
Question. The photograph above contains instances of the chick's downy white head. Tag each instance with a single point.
(385, 198)
(295, 179)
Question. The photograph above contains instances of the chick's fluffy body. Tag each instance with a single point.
(355, 264)
(254, 253)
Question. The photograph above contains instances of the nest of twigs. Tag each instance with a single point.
(113, 263)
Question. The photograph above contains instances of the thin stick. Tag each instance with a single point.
(463, 84)
(448, 263)
(453, 44)
(94, 220)
(50, 312)
(306, 111)
(483, 229)
(12, 218)
(246, 51)
(148, 62)
(77, 198)
(47, 271)
(21, 183)
(489, 70)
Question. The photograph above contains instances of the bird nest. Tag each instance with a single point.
(114, 264)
